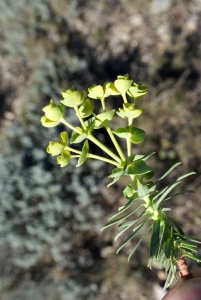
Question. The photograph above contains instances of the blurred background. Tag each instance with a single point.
(51, 246)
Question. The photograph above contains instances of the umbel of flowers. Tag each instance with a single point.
(168, 244)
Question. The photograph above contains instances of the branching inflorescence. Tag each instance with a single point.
(169, 245)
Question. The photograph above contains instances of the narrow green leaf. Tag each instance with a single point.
(122, 218)
(121, 232)
(169, 248)
(171, 187)
(170, 170)
(84, 154)
(143, 157)
(188, 248)
(183, 242)
(177, 227)
(165, 209)
(132, 235)
(192, 239)
(134, 249)
(191, 255)
(186, 237)
(127, 223)
(169, 245)
(162, 177)
(114, 181)
(182, 193)
(125, 207)
(176, 252)
(164, 234)
(155, 238)
(171, 276)
(185, 175)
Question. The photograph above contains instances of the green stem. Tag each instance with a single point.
(78, 130)
(129, 144)
(118, 148)
(92, 156)
(104, 148)
(103, 159)
(103, 104)
(80, 118)
(94, 140)
(124, 97)
(129, 147)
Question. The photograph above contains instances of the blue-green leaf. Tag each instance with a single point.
(155, 238)
(132, 235)
(90, 124)
(77, 138)
(137, 90)
(64, 159)
(86, 109)
(143, 190)
(84, 154)
(135, 113)
(116, 172)
(123, 208)
(121, 218)
(135, 135)
(138, 167)
(138, 243)
(103, 119)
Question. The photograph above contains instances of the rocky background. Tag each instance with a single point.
(51, 246)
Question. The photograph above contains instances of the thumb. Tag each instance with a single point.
(186, 290)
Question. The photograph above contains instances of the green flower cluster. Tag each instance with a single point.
(168, 242)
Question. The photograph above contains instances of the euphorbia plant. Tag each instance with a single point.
(168, 245)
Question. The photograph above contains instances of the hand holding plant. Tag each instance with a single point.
(168, 245)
